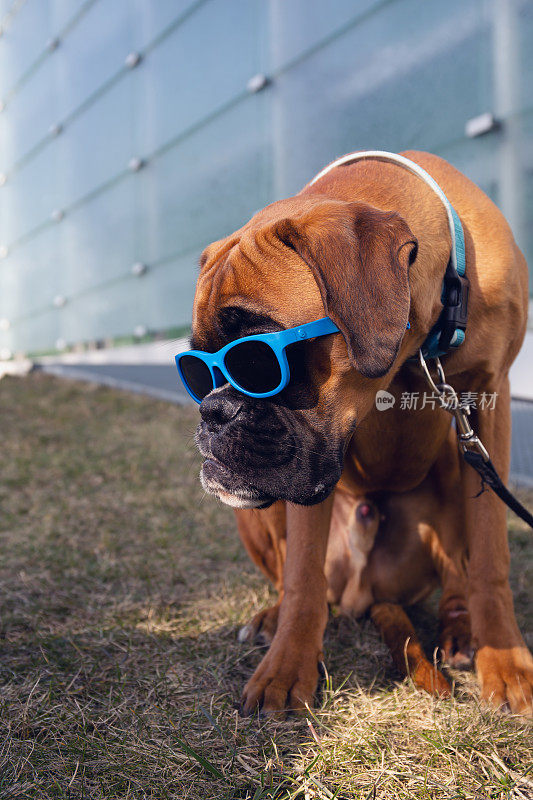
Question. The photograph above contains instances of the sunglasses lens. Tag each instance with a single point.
(196, 375)
(254, 367)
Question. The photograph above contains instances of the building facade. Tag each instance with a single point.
(134, 132)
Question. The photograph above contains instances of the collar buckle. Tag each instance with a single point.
(454, 315)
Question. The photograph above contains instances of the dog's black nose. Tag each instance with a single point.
(218, 409)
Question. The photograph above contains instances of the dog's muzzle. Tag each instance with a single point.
(214, 438)
(257, 451)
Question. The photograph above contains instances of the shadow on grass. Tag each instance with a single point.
(132, 700)
(125, 710)
(106, 706)
(138, 708)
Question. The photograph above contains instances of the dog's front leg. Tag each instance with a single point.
(287, 676)
(503, 662)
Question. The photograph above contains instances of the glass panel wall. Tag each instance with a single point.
(129, 134)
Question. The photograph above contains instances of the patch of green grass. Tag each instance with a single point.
(122, 588)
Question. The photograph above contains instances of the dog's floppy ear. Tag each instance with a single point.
(360, 258)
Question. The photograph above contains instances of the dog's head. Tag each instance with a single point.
(297, 261)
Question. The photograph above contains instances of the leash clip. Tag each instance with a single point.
(466, 438)
(470, 446)
(473, 444)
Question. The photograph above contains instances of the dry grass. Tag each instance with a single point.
(122, 590)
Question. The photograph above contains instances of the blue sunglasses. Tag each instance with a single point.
(254, 365)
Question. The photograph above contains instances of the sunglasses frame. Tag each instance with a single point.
(277, 341)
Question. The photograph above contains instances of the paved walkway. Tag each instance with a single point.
(156, 380)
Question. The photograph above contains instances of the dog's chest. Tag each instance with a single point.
(393, 449)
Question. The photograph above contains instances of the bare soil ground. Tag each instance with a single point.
(122, 588)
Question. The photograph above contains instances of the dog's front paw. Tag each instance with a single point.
(262, 628)
(506, 678)
(285, 680)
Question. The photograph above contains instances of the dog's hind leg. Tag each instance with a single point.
(262, 626)
(433, 513)
(455, 635)
(263, 533)
(406, 650)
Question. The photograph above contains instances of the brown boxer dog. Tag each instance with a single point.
(368, 245)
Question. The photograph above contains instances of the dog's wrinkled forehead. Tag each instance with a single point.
(252, 282)
(229, 323)
(305, 258)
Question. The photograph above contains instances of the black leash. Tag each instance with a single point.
(488, 473)
(471, 447)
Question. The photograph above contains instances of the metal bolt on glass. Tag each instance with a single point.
(483, 123)
(136, 163)
(132, 60)
(56, 129)
(257, 82)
